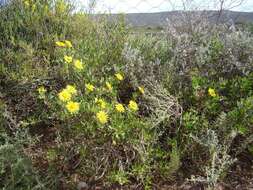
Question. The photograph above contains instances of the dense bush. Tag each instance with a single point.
(115, 109)
(16, 168)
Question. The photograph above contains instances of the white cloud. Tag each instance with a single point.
(129, 6)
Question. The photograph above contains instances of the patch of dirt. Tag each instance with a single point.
(240, 176)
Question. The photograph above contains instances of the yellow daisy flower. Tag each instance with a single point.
(119, 76)
(78, 65)
(64, 95)
(89, 87)
(60, 44)
(71, 89)
(120, 108)
(141, 89)
(133, 105)
(68, 59)
(27, 3)
(68, 44)
(102, 117)
(212, 92)
(73, 107)
(108, 86)
(42, 90)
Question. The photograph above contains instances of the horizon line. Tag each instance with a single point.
(235, 11)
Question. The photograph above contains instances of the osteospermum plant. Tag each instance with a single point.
(93, 102)
(95, 98)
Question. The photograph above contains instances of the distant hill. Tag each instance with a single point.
(160, 19)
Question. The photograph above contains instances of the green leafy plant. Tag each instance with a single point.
(15, 167)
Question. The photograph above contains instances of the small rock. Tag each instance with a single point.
(82, 186)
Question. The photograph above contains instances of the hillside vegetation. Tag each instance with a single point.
(87, 104)
(160, 19)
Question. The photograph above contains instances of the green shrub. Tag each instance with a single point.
(15, 167)
(115, 108)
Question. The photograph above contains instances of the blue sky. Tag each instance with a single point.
(129, 6)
